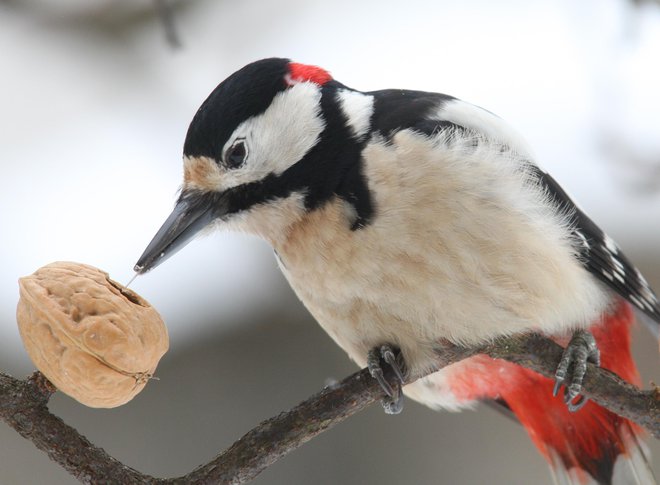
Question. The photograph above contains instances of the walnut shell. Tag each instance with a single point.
(94, 339)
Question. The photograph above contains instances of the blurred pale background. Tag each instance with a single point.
(94, 106)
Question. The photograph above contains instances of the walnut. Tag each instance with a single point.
(94, 339)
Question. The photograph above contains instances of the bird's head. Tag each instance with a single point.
(273, 141)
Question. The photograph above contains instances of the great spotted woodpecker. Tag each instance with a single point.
(404, 218)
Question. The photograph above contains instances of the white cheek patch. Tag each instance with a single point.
(279, 137)
(358, 109)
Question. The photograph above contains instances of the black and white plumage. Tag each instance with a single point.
(398, 217)
(602, 256)
(296, 166)
(597, 251)
(311, 143)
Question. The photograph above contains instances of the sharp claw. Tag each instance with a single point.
(572, 392)
(385, 386)
(393, 403)
(580, 350)
(578, 405)
(560, 375)
(390, 358)
(558, 382)
(394, 406)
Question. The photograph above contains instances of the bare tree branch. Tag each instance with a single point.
(23, 405)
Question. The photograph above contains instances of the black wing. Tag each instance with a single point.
(600, 254)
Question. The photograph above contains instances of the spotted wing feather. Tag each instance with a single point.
(601, 255)
(425, 113)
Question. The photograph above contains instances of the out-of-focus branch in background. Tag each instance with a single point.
(112, 19)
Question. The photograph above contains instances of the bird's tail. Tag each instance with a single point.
(629, 467)
(593, 445)
(590, 446)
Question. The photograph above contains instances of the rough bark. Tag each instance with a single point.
(23, 405)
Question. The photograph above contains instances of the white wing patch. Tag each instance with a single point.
(583, 239)
(610, 245)
(358, 109)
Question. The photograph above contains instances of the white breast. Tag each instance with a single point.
(462, 247)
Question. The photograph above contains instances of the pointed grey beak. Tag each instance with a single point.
(191, 214)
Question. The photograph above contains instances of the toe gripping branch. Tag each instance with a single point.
(573, 366)
(393, 403)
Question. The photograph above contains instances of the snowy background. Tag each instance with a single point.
(94, 106)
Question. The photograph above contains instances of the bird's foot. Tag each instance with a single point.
(393, 403)
(573, 365)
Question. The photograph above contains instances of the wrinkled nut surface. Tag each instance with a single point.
(92, 338)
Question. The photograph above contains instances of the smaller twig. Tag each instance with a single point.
(166, 14)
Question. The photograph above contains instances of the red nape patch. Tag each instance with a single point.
(299, 73)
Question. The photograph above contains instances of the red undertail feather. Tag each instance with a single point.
(303, 72)
(582, 447)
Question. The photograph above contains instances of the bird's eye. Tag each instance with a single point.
(236, 154)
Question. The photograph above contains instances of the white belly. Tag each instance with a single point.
(461, 249)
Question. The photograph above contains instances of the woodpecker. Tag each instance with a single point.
(403, 219)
